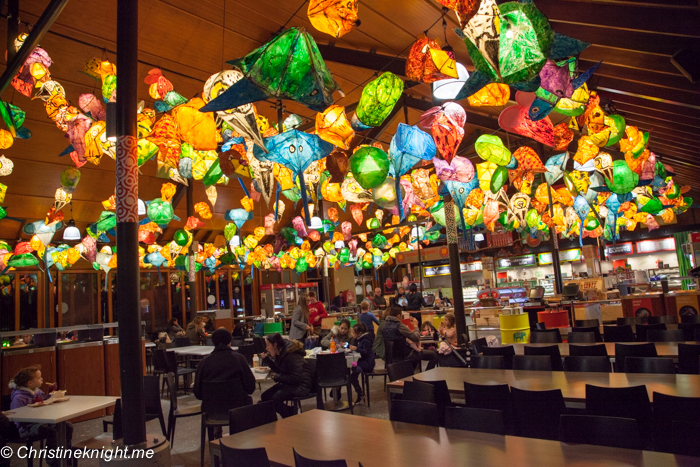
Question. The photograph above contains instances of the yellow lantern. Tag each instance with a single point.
(333, 126)
(259, 233)
(494, 94)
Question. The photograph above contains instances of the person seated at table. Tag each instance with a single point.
(223, 364)
(378, 300)
(241, 330)
(368, 301)
(26, 389)
(208, 324)
(340, 334)
(289, 371)
(338, 302)
(363, 345)
(405, 342)
(367, 318)
(448, 329)
(443, 299)
(195, 331)
(316, 312)
(427, 330)
(174, 329)
(415, 302)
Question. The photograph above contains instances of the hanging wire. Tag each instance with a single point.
(292, 17)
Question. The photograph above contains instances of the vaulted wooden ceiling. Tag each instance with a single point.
(190, 41)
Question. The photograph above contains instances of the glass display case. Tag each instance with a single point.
(548, 285)
(659, 274)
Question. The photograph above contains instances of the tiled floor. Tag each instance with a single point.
(186, 446)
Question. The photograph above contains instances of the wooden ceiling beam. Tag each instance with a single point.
(645, 91)
(661, 80)
(608, 17)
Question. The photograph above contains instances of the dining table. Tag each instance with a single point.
(58, 413)
(663, 349)
(571, 384)
(375, 442)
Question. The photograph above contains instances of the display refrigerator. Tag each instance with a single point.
(278, 298)
(306, 287)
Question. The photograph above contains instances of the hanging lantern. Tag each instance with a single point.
(378, 99)
(333, 126)
(370, 166)
(492, 95)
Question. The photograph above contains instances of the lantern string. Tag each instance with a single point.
(292, 17)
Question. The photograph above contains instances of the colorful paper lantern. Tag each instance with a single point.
(334, 17)
(427, 62)
(491, 149)
(492, 95)
(447, 127)
(369, 166)
(333, 126)
(378, 99)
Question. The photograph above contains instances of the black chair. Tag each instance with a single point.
(643, 329)
(154, 409)
(182, 342)
(388, 353)
(622, 351)
(489, 362)
(614, 432)
(550, 336)
(670, 409)
(477, 346)
(218, 397)
(587, 364)
(598, 350)
(539, 327)
(175, 369)
(594, 329)
(581, 338)
(422, 413)
(239, 341)
(490, 396)
(532, 362)
(418, 391)
(160, 367)
(13, 437)
(400, 370)
(301, 461)
(232, 457)
(685, 438)
(442, 398)
(649, 365)
(690, 319)
(630, 402)
(696, 338)
(674, 335)
(382, 372)
(247, 351)
(689, 330)
(314, 393)
(631, 321)
(251, 416)
(506, 351)
(619, 333)
(666, 319)
(175, 411)
(537, 413)
(551, 350)
(586, 323)
(259, 344)
(688, 359)
(471, 419)
(333, 372)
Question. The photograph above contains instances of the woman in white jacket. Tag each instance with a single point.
(300, 319)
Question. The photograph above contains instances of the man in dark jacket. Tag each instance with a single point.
(400, 335)
(415, 303)
(224, 364)
(289, 371)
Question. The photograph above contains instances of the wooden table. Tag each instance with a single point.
(663, 349)
(58, 413)
(572, 384)
(378, 443)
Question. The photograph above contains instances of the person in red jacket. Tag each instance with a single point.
(316, 312)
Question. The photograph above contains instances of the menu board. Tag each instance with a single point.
(470, 267)
(517, 261)
(619, 249)
(565, 256)
(661, 244)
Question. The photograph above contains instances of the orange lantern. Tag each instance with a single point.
(494, 94)
(427, 62)
(203, 210)
(333, 126)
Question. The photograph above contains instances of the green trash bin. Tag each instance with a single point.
(271, 328)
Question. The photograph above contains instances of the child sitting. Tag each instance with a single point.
(26, 390)
(364, 342)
